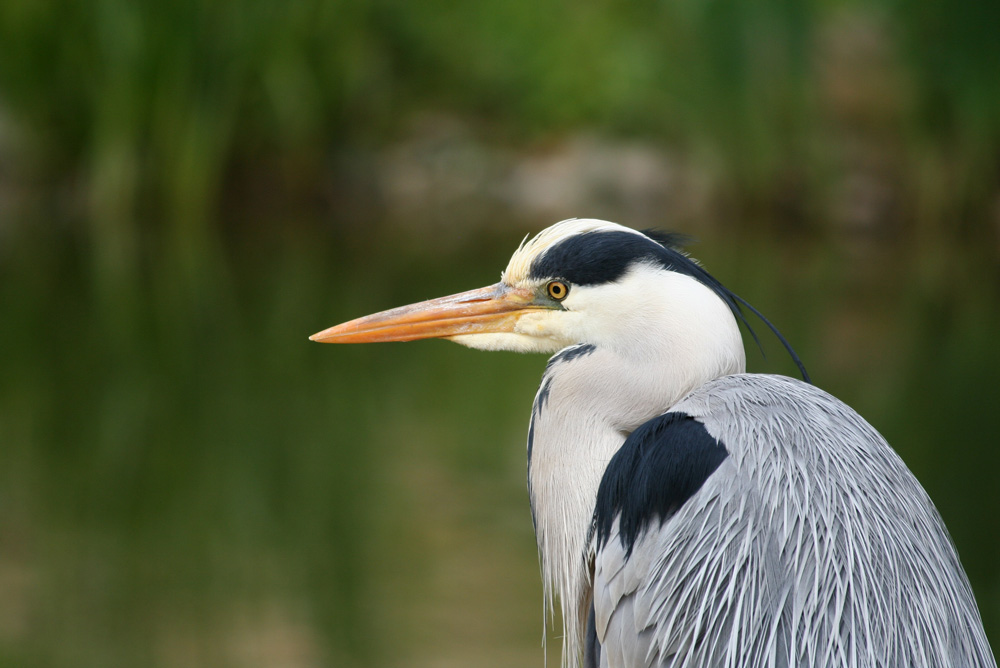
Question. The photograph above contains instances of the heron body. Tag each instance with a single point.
(788, 554)
(687, 513)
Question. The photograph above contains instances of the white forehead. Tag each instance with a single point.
(520, 263)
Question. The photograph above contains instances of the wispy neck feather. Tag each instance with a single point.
(656, 347)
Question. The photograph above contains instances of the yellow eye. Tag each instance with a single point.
(557, 290)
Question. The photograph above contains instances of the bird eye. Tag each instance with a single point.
(557, 290)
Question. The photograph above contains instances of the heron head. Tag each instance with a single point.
(578, 281)
(552, 294)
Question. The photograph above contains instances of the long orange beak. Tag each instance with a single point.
(495, 308)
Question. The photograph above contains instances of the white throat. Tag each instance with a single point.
(653, 348)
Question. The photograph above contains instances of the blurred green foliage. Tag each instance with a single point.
(152, 109)
(185, 481)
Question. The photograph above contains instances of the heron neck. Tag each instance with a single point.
(569, 447)
(590, 399)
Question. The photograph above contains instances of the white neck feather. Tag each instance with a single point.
(659, 336)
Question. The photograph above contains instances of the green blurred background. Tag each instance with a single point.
(189, 189)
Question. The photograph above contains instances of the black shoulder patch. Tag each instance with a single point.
(661, 465)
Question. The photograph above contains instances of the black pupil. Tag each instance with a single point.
(557, 290)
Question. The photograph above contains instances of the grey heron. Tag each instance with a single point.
(688, 513)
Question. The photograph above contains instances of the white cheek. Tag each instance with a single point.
(538, 332)
(534, 324)
(557, 326)
(505, 341)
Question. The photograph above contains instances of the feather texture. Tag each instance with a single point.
(811, 545)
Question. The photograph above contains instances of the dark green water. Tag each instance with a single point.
(185, 480)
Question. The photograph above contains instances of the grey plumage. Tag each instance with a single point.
(811, 545)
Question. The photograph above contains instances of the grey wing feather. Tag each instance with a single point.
(811, 545)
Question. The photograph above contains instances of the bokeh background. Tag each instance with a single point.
(189, 189)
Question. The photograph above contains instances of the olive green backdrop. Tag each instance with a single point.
(189, 189)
